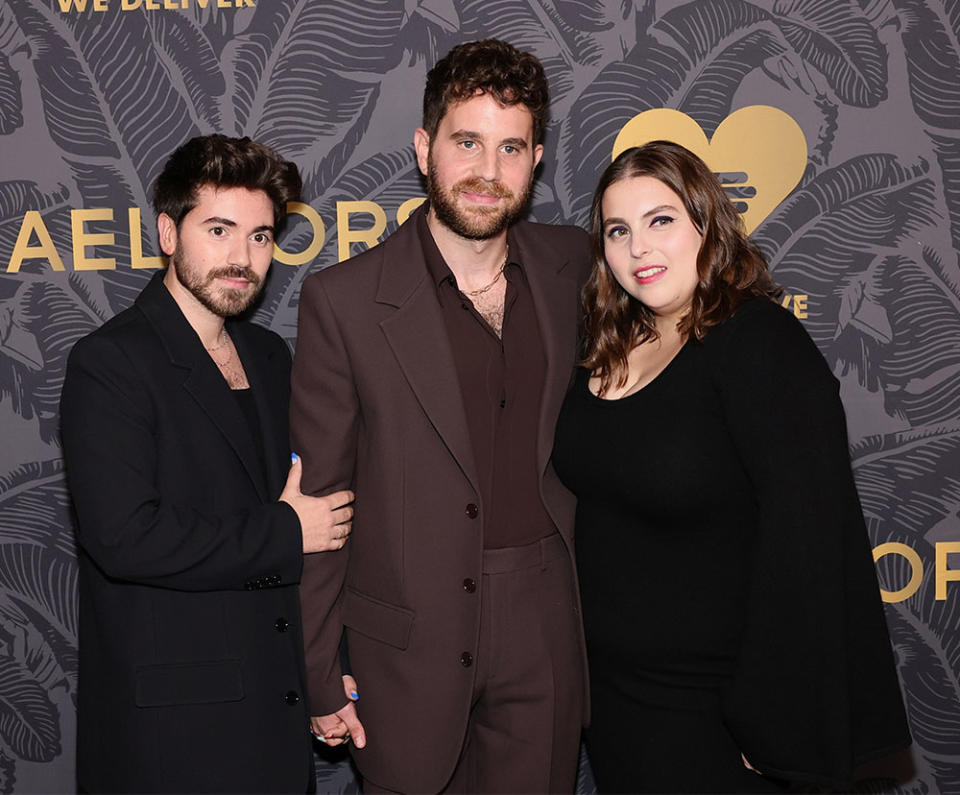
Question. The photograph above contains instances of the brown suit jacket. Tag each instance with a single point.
(376, 407)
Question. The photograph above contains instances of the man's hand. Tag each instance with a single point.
(343, 725)
(325, 522)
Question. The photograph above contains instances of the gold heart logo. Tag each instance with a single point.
(759, 152)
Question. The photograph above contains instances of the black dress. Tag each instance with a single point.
(729, 597)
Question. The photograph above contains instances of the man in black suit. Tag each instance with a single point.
(190, 530)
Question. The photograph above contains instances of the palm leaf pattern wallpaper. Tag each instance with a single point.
(94, 94)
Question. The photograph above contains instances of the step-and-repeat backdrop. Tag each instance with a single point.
(835, 123)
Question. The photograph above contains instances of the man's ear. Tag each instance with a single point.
(421, 143)
(537, 154)
(167, 233)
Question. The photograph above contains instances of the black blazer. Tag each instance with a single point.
(191, 657)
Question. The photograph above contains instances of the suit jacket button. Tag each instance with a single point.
(466, 659)
(469, 585)
(472, 510)
(292, 698)
(282, 624)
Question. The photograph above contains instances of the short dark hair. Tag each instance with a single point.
(224, 162)
(730, 267)
(491, 67)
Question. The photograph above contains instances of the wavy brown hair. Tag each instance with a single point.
(730, 268)
(489, 66)
(224, 162)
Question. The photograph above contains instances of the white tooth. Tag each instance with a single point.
(649, 272)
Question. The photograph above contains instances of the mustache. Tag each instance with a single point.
(234, 272)
(477, 185)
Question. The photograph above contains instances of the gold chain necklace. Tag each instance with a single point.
(482, 290)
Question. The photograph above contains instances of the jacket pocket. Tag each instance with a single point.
(379, 620)
(189, 683)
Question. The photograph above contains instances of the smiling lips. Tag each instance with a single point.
(482, 192)
(234, 277)
(235, 283)
(649, 273)
(480, 198)
(479, 202)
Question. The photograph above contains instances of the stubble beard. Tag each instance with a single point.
(481, 223)
(222, 301)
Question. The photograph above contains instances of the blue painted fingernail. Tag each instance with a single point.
(353, 695)
(294, 457)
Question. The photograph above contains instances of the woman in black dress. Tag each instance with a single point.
(735, 633)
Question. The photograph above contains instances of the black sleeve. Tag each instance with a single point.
(132, 531)
(816, 689)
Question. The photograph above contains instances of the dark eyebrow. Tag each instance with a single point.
(457, 135)
(659, 209)
(216, 219)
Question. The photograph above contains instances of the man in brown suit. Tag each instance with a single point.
(428, 377)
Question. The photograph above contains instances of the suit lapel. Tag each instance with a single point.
(554, 298)
(418, 338)
(210, 390)
(202, 381)
(260, 374)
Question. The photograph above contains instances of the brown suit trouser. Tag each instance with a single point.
(523, 734)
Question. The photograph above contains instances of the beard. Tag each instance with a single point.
(479, 223)
(222, 301)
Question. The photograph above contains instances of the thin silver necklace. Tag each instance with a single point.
(224, 339)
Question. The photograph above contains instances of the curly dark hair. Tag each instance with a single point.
(224, 162)
(730, 267)
(492, 67)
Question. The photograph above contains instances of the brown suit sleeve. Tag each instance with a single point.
(324, 415)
